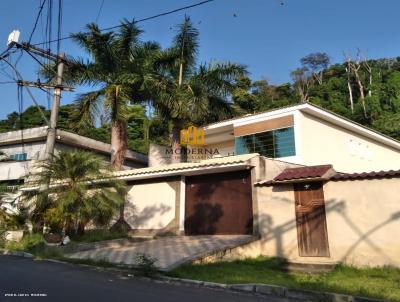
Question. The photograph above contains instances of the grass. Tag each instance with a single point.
(35, 245)
(383, 282)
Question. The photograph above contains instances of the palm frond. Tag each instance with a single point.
(219, 78)
(127, 38)
(186, 42)
(87, 108)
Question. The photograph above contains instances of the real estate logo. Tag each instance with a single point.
(193, 136)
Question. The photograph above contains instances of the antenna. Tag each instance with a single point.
(13, 37)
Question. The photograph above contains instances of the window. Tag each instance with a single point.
(19, 156)
(273, 144)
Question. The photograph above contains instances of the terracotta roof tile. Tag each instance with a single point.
(366, 175)
(310, 172)
(303, 172)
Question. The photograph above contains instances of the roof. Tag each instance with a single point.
(323, 172)
(68, 138)
(223, 164)
(302, 173)
(314, 110)
(366, 175)
(165, 170)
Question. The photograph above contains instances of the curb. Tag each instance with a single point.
(256, 288)
(14, 253)
(276, 291)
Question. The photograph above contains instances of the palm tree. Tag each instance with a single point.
(120, 66)
(192, 93)
(81, 191)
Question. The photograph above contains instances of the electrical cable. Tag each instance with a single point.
(37, 20)
(99, 12)
(59, 23)
(135, 21)
(18, 75)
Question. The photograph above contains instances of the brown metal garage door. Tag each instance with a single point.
(219, 204)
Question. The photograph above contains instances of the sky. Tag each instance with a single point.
(268, 36)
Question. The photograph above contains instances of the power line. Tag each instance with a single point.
(8, 82)
(101, 7)
(37, 20)
(19, 76)
(59, 23)
(136, 21)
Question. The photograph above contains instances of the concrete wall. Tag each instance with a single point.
(152, 206)
(226, 148)
(320, 142)
(11, 170)
(158, 155)
(363, 222)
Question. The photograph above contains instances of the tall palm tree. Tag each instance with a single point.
(119, 67)
(82, 191)
(192, 93)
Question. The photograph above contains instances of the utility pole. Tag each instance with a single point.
(60, 61)
(51, 131)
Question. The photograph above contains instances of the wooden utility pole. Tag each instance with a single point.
(60, 61)
(51, 131)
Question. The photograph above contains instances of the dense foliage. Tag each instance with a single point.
(180, 91)
(375, 93)
(76, 197)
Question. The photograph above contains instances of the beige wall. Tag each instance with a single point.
(363, 222)
(320, 142)
(158, 155)
(226, 148)
(153, 207)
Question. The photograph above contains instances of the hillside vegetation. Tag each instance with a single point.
(366, 91)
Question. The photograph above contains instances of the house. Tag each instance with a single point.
(308, 214)
(22, 148)
(300, 178)
(308, 135)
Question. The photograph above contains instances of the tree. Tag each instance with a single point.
(317, 62)
(188, 93)
(82, 191)
(354, 66)
(120, 67)
(302, 81)
(350, 89)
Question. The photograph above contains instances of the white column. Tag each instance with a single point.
(182, 205)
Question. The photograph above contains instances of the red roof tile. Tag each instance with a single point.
(303, 172)
(319, 171)
(366, 175)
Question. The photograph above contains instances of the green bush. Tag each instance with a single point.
(145, 265)
(26, 244)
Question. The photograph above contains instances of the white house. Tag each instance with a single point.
(26, 146)
(308, 135)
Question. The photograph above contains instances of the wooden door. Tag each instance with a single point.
(312, 235)
(219, 203)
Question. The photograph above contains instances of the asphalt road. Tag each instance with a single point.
(59, 282)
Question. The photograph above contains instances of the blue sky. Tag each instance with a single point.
(268, 37)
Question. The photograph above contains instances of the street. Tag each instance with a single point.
(24, 279)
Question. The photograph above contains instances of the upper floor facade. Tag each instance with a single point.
(23, 148)
(305, 134)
